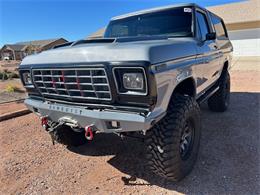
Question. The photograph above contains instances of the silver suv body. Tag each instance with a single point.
(126, 80)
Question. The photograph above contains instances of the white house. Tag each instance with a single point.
(243, 24)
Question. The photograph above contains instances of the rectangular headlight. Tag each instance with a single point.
(27, 78)
(133, 81)
(130, 80)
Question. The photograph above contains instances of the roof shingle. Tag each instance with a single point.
(39, 43)
(16, 47)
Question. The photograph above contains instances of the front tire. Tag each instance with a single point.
(173, 143)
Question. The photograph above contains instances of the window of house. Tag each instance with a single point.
(203, 25)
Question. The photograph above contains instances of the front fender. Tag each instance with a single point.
(168, 76)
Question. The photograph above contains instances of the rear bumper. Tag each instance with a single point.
(100, 119)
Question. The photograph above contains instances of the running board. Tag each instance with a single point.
(207, 94)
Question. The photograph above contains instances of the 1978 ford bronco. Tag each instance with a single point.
(148, 75)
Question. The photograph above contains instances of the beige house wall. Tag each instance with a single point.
(243, 25)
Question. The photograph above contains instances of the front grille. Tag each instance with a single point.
(73, 84)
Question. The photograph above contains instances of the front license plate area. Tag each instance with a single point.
(66, 109)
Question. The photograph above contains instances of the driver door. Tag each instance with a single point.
(208, 58)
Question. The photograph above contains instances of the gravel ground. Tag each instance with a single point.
(11, 107)
(11, 65)
(228, 161)
(10, 96)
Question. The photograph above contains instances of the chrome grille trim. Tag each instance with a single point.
(76, 83)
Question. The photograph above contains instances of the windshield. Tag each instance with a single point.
(176, 22)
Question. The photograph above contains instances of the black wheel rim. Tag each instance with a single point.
(186, 141)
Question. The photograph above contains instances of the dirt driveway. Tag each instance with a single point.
(228, 161)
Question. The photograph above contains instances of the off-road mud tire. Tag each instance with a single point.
(219, 101)
(164, 139)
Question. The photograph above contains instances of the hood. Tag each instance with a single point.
(154, 50)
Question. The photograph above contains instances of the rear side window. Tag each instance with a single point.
(203, 25)
(218, 25)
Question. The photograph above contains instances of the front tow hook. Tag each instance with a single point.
(44, 122)
(89, 135)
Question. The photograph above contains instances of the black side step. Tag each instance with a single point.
(208, 93)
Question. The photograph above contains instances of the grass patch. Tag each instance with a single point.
(12, 88)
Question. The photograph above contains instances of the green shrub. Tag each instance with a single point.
(3, 75)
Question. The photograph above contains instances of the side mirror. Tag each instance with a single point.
(211, 36)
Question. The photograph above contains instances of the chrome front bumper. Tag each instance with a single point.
(100, 119)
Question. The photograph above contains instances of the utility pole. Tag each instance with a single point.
(14, 55)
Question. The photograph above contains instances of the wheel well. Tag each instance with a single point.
(186, 87)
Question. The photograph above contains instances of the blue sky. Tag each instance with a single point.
(23, 20)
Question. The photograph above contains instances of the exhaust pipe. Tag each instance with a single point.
(89, 135)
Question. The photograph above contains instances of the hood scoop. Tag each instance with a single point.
(85, 41)
(111, 40)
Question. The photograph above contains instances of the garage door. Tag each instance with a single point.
(246, 42)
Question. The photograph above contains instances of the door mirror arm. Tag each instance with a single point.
(211, 36)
